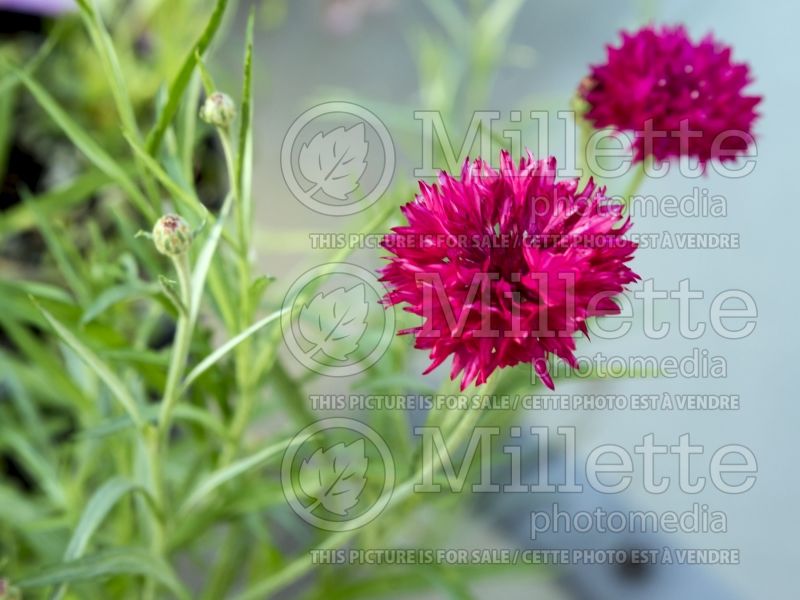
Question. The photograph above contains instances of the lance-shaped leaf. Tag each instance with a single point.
(101, 503)
(220, 352)
(118, 561)
(102, 370)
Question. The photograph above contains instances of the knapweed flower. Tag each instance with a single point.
(505, 266)
(172, 235)
(657, 79)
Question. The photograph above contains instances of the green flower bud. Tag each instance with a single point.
(218, 110)
(172, 235)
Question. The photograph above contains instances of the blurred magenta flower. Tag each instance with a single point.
(505, 266)
(660, 76)
(38, 7)
(344, 17)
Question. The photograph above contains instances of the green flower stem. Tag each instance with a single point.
(157, 524)
(180, 349)
(236, 188)
(585, 131)
(157, 438)
(635, 183)
(244, 406)
(640, 169)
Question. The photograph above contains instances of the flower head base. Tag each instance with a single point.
(505, 266)
(659, 79)
(172, 235)
(218, 110)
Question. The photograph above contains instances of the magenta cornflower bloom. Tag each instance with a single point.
(505, 266)
(660, 76)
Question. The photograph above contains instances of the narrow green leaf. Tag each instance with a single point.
(171, 294)
(214, 481)
(98, 366)
(181, 80)
(219, 284)
(108, 58)
(119, 561)
(450, 17)
(134, 356)
(289, 572)
(188, 129)
(11, 80)
(37, 358)
(114, 425)
(53, 201)
(125, 292)
(220, 352)
(64, 253)
(223, 574)
(257, 289)
(498, 18)
(183, 412)
(42, 470)
(182, 196)
(16, 509)
(20, 396)
(208, 82)
(35, 288)
(7, 103)
(86, 144)
(101, 503)
(198, 416)
(204, 259)
(244, 155)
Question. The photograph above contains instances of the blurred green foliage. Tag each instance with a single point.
(128, 459)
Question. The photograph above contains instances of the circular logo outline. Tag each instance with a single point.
(370, 434)
(288, 306)
(368, 117)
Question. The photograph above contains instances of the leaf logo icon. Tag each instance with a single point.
(335, 477)
(335, 161)
(335, 322)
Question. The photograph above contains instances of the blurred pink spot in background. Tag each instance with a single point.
(343, 17)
